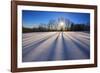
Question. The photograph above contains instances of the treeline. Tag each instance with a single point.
(54, 25)
(73, 27)
(25, 30)
(79, 27)
(39, 29)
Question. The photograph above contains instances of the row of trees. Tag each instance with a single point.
(53, 25)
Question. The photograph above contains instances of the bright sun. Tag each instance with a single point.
(61, 24)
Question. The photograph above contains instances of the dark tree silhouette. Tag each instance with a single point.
(53, 25)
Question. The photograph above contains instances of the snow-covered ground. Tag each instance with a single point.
(51, 46)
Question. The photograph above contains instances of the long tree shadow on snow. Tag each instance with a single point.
(84, 49)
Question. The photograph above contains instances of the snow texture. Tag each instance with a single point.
(51, 46)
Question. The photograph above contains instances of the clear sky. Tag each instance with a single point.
(34, 18)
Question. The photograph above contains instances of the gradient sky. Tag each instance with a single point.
(32, 18)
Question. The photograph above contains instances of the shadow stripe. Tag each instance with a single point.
(52, 52)
(39, 39)
(84, 50)
(80, 40)
(25, 51)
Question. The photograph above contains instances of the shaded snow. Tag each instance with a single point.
(50, 46)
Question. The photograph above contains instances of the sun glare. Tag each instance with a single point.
(61, 23)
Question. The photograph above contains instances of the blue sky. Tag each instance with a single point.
(32, 18)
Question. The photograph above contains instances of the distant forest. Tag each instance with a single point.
(54, 26)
